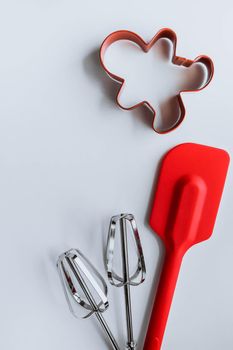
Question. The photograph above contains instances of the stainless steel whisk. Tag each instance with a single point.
(127, 279)
(84, 286)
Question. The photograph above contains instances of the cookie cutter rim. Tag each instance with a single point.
(165, 33)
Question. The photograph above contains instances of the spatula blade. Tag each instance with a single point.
(188, 193)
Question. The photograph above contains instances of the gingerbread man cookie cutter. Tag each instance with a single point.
(164, 33)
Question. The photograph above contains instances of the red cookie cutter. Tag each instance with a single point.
(165, 33)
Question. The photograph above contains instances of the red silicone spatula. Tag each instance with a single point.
(185, 206)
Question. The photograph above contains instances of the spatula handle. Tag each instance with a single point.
(162, 304)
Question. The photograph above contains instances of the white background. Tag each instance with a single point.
(70, 159)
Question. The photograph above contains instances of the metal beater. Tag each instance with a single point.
(84, 287)
(127, 279)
